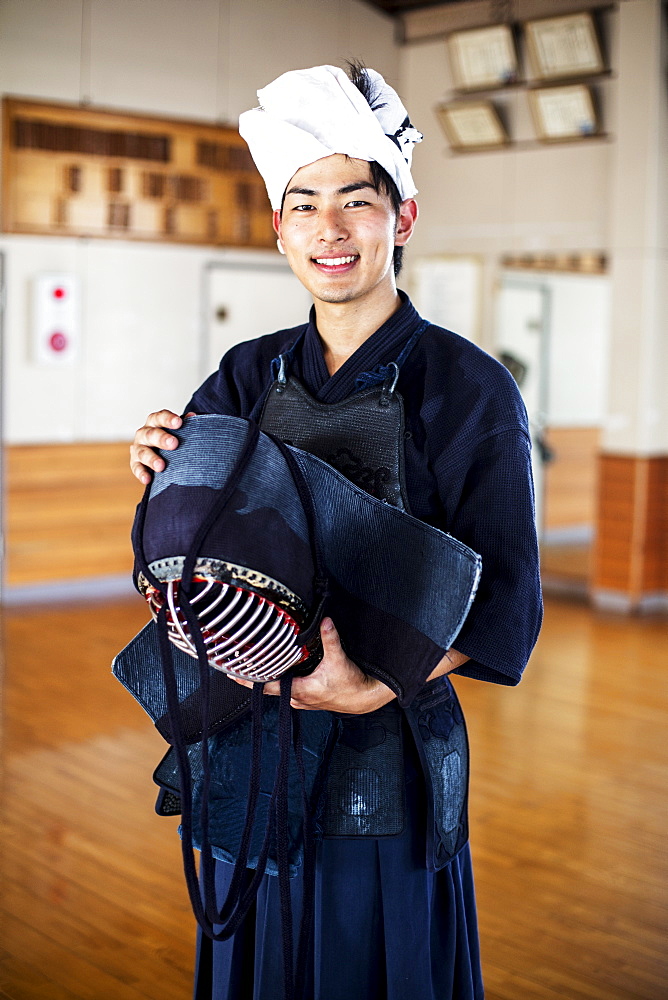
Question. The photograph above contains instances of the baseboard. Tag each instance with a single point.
(574, 534)
(561, 586)
(651, 604)
(620, 603)
(60, 591)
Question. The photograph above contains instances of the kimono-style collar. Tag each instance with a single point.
(380, 348)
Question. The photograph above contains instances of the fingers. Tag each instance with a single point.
(331, 643)
(271, 687)
(144, 460)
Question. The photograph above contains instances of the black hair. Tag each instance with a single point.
(384, 184)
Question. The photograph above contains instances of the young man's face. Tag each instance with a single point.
(339, 233)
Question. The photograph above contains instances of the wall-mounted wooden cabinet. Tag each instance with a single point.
(81, 171)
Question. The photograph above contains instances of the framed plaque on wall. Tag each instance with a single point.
(562, 47)
(563, 112)
(483, 58)
(472, 125)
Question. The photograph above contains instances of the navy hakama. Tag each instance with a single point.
(386, 928)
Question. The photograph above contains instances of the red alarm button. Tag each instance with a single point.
(58, 341)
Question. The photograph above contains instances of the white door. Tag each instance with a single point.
(522, 330)
(244, 301)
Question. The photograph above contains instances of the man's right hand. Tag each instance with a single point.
(144, 459)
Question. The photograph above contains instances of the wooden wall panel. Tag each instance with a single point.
(614, 542)
(70, 507)
(631, 555)
(69, 512)
(82, 171)
(655, 576)
(571, 478)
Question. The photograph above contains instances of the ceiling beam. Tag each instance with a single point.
(401, 6)
(437, 22)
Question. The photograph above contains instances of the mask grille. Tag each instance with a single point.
(246, 634)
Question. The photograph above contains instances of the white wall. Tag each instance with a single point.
(531, 198)
(535, 197)
(141, 302)
(638, 419)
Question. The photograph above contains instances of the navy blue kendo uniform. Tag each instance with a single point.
(395, 910)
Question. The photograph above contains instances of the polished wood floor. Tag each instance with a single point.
(568, 810)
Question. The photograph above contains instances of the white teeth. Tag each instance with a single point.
(334, 261)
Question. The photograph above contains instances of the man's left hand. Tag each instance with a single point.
(337, 684)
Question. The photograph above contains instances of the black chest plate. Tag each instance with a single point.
(362, 436)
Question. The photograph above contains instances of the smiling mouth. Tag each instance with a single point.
(332, 262)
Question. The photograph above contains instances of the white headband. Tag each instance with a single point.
(308, 114)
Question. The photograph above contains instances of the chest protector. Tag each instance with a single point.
(363, 438)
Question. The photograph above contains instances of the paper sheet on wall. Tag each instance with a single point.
(446, 290)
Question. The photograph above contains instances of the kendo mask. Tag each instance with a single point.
(228, 538)
(248, 541)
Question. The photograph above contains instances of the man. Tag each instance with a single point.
(395, 909)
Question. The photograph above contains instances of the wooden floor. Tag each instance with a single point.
(568, 817)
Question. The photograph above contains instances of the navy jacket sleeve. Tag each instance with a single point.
(495, 517)
(480, 452)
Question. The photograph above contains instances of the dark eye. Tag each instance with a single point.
(356, 204)
(303, 208)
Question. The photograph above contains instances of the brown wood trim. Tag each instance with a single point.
(69, 512)
(439, 21)
(631, 552)
(571, 477)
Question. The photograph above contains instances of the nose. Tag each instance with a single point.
(332, 226)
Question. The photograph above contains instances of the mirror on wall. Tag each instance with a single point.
(552, 332)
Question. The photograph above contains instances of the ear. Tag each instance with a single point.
(276, 223)
(408, 213)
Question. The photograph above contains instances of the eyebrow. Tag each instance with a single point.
(347, 189)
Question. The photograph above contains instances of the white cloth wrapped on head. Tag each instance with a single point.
(308, 114)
